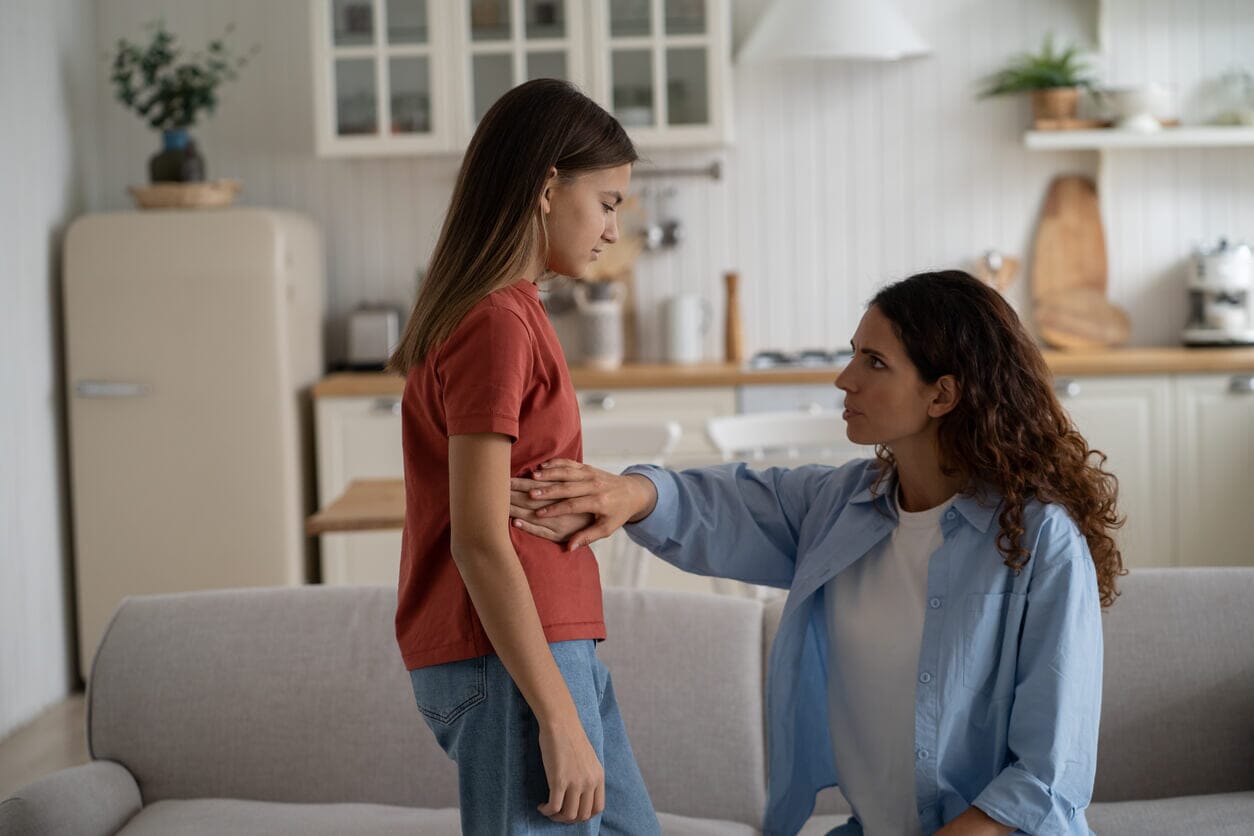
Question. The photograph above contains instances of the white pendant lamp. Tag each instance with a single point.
(866, 30)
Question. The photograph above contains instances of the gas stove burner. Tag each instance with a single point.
(806, 358)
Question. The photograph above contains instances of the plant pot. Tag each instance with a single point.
(179, 161)
(1055, 103)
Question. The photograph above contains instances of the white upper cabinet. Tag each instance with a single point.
(415, 76)
(663, 68)
(381, 77)
(502, 43)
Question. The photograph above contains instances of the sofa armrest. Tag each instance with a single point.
(95, 799)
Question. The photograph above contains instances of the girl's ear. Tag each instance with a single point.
(550, 181)
(948, 392)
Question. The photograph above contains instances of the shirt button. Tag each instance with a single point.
(934, 603)
(922, 754)
(951, 515)
(925, 677)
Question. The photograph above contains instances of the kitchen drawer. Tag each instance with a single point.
(690, 408)
(805, 397)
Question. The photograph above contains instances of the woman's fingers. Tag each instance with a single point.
(590, 535)
(519, 483)
(577, 505)
(563, 490)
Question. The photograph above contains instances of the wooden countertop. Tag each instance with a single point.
(365, 505)
(1120, 361)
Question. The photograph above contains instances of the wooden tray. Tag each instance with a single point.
(186, 195)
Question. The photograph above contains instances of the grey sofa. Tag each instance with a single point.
(287, 711)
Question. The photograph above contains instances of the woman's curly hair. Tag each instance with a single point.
(1008, 429)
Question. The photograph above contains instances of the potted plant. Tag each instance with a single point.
(171, 92)
(1053, 76)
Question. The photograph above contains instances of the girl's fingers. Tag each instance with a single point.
(518, 483)
(537, 530)
(523, 500)
(598, 800)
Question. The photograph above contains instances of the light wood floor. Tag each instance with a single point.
(53, 740)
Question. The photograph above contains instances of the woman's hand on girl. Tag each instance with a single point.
(570, 487)
(522, 511)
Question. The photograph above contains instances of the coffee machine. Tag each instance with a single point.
(1221, 296)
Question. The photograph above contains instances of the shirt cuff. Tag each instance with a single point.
(654, 530)
(1016, 798)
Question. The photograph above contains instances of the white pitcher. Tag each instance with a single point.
(687, 319)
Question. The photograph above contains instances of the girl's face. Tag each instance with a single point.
(886, 401)
(581, 216)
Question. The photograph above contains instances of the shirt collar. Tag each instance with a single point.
(977, 509)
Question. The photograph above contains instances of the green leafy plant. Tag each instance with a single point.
(1047, 69)
(166, 89)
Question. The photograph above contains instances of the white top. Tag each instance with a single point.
(875, 612)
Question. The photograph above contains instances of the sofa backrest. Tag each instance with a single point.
(1178, 688)
(299, 695)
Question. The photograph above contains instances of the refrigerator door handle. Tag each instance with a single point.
(110, 389)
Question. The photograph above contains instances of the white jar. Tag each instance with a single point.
(600, 307)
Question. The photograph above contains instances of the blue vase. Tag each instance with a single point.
(179, 161)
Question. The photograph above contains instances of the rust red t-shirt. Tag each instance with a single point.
(502, 371)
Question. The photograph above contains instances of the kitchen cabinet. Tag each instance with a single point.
(415, 76)
(662, 67)
(690, 408)
(1215, 469)
(1130, 419)
(382, 77)
(358, 438)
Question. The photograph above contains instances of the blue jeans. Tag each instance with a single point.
(481, 720)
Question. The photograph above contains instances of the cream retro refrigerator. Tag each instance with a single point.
(192, 337)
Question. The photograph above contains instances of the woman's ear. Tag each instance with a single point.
(546, 193)
(948, 393)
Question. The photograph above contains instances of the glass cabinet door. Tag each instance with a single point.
(512, 41)
(381, 65)
(666, 61)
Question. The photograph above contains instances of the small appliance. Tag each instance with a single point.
(373, 332)
(1221, 296)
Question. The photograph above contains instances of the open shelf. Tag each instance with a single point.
(1208, 136)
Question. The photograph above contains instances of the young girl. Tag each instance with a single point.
(498, 628)
(939, 655)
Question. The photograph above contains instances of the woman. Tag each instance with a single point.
(939, 655)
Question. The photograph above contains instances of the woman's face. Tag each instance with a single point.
(886, 401)
(581, 216)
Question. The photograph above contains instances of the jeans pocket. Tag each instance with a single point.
(446, 692)
(990, 643)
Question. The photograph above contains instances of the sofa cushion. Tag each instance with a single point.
(214, 816)
(1227, 814)
(1178, 692)
(687, 670)
(295, 695)
(299, 696)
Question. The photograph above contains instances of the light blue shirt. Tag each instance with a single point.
(1010, 665)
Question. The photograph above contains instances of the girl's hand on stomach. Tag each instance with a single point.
(522, 510)
(581, 489)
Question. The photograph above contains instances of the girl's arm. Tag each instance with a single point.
(479, 472)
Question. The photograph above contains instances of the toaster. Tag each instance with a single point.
(373, 332)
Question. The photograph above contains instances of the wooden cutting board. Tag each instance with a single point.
(1070, 249)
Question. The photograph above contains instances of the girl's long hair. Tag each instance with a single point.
(1008, 429)
(493, 229)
